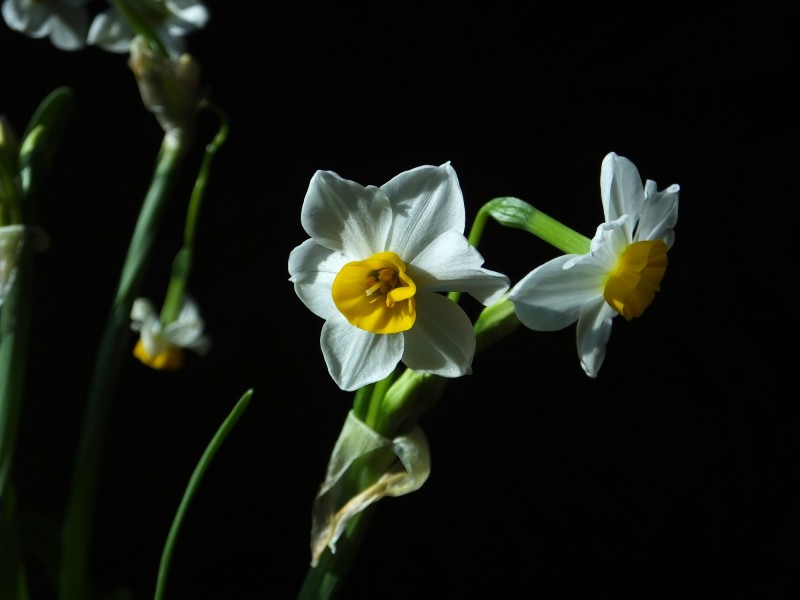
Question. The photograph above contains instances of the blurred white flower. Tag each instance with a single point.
(64, 21)
(373, 269)
(620, 275)
(171, 20)
(160, 346)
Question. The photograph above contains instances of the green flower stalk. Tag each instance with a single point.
(173, 97)
(164, 337)
(371, 454)
(78, 521)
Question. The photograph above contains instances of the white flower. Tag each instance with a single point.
(376, 259)
(63, 21)
(621, 273)
(171, 20)
(10, 240)
(161, 347)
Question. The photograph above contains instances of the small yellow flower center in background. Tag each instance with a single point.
(376, 294)
(631, 287)
(169, 359)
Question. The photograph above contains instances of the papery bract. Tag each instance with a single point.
(11, 237)
(620, 274)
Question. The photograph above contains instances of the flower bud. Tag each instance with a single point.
(169, 87)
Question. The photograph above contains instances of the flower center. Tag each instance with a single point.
(376, 294)
(168, 359)
(633, 284)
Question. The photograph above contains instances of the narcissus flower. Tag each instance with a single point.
(621, 273)
(171, 21)
(161, 346)
(376, 260)
(63, 21)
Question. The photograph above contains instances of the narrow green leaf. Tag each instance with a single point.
(52, 115)
(191, 488)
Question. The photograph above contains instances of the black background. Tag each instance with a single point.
(675, 471)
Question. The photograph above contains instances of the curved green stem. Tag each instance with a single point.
(182, 264)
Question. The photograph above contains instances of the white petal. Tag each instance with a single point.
(173, 42)
(150, 334)
(142, 310)
(189, 311)
(450, 264)
(187, 330)
(184, 333)
(441, 341)
(620, 188)
(313, 268)
(69, 26)
(31, 18)
(611, 240)
(110, 31)
(345, 216)
(659, 214)
(551, 297)
(356, 357)
(426, 202)
(593, 331)
(10, 15)
(188, 334)
(187, 15)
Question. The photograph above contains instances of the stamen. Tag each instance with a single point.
(359, 285)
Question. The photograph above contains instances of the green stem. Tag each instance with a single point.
(325, 581)
(140, 26)
(14, 330)
(182, 264)
(362, 401)
(201, 183)
(194, 483)
(376, 400)
(516, 213)
(78, 520)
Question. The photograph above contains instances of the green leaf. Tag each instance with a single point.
(52, 116)
(191, 488)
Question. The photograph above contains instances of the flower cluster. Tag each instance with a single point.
(378, 258)
(67, 22)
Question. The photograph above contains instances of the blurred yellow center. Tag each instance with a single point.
(169, 359)
(376, 294)
(632, 286)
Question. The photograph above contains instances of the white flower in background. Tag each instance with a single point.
(10, 240)
(63, 21)
(376, 260)
(160, 346)
(171, 20)
(621, 273)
